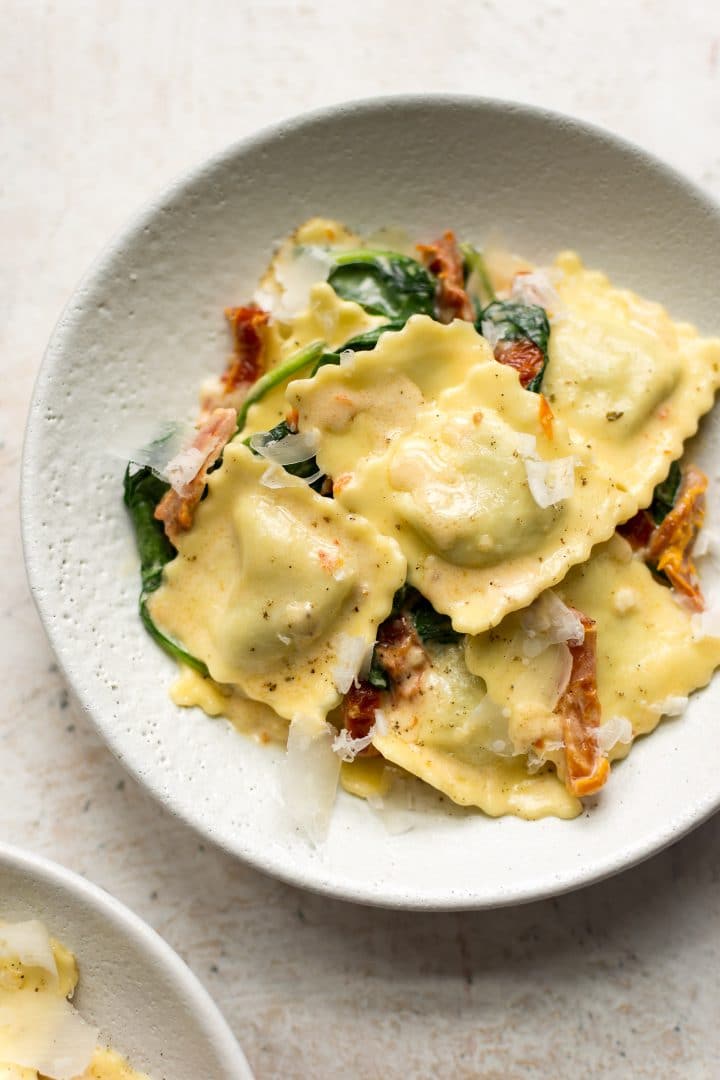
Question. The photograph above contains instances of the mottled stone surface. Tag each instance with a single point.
(102, 105)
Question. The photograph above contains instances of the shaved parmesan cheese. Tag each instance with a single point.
(347, 748)
(28, 942)
(490, 332)
(156, 448)
(536, 288)
(564, 672)
(548, 621)
(381, 722)
(617, 729)
(675, 705)
(44, 1032)
(347, 357)
(352, 655)
(183, 468)
(705, 624)
(492, 721)
(277, 477)
(310, 776)
(526, 445)
(550, 481)
(265, 299)
(398, 809)
(296, 273)
(300, 446)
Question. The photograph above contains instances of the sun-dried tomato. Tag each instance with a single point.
(638, 530)
(176, 509)
(443, 259)
(358, 712)
(670, 546)
(246, 363)
(525, 356)
(586, 766)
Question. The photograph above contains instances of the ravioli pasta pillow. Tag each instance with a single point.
(650, 656)
(464, 483)
(449, 735)
(278, 590)
(631, 381)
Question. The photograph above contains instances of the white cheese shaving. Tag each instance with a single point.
(45, 1033)
(381, 723)
(705, 624)
(277, 477)
(153, 448)
(297, 272)
(265, 299)
(294, 448)
(310, 774)
(526, 445)
(492, 721)
(548, 621)
(674, 705)
(550, 482)
(536, 288)
(347, 358)
(617, 729)
(352, 655)
(490, 332)
(564, 672)
(347, 748)
(183, 468)
(28, 942)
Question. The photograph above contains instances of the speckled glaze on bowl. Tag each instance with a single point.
(145, 1001)
(146, 325)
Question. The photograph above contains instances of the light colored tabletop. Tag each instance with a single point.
(103, 104)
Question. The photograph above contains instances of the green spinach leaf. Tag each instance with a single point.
(514, 321)
(665, 494)
(272, 378)
(431, 625)
(384, 283)
(142, 492)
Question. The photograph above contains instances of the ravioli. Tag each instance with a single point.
(272, 586)
(631, 381)
(450, 480)
(649, 658)
(360, 407)
(439, 471)
(448, 736)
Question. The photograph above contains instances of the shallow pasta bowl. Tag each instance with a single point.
(144, 328)
(143, 999)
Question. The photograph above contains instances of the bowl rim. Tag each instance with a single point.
(387, 896)
(149, 941)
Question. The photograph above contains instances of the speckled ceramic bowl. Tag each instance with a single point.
(146, 325)
(147, 1004)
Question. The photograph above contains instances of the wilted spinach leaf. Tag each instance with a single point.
(384, 283)
(272, 378)
(514, 321)
(665, 494)
(429, 625)
(142, 492)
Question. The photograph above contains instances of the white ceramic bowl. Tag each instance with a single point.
(146, 1002)
(145, 326)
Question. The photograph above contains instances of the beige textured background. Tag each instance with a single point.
(102, 104)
